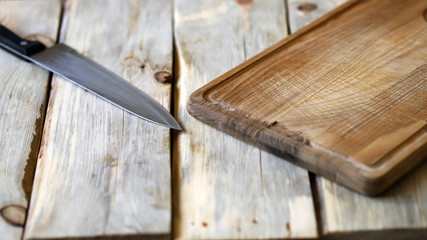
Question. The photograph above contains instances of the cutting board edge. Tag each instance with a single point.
(368, 180)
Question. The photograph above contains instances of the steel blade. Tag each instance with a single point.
(69, 64)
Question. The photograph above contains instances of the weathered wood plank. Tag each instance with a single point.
(102, 171)
(22, 100)
(224, 188)
(397, 214)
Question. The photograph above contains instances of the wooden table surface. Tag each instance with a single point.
(75, 166)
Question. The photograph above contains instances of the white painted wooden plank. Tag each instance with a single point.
(22, 106)
(225, 188)
(399, 213)
(103, 171)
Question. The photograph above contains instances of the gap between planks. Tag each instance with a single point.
(33, 164)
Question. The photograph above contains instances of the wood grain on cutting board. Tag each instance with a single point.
(347, 95)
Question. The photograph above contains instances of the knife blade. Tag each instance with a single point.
(82, 71)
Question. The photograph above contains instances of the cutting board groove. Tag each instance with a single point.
(345, 97)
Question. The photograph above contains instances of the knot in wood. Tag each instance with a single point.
(244, 2)
(14, 214)
(163, 77)
(46, 40)
(307, 7)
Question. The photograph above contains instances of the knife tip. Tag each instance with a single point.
(169, 122)
(175, 126)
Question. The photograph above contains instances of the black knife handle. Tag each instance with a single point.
(16, 45)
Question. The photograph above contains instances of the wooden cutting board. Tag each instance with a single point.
(345, 97)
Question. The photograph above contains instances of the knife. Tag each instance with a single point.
(71, 65)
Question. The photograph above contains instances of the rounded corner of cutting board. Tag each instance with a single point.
(369, 181)
(196, 103)
(375, 179)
